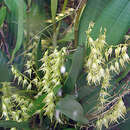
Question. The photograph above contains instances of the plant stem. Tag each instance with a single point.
(77, 19)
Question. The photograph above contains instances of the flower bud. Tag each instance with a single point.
(62, 69)
(117, 66)
(125, 57)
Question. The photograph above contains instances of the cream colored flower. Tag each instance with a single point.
(117, 66)
(125, 57)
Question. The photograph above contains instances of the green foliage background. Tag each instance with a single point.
(24, 29)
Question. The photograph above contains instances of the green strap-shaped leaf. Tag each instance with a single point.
(110, 14)
(38, 56)
(20, 5)
(53, 8)
(12, 124)
(4, 68)
(114, 15)
(2, 15)
(116, 19)
(20, 20)
(75, 69)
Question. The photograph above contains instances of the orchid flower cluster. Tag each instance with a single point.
(117, 112)
(102, 62)
(99, 63)
(52, 70)
(52, 65)
(14, 106)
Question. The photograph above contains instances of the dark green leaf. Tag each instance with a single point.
(113, 15)
(2, 15)
(38, 56)
(4, 73)
(12, 124)
(4, 68)
(72, 109)
(76, 67)
(37, 105)
(20, 7)
(17, 8)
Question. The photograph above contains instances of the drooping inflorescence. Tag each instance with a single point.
(52, 69)
(52, 65)
(103, 61)
(14, 106)
(112, 116)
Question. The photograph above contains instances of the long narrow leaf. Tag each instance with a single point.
(2, 15)
(12, 124)
(53, 8)
(20, 20)
(20, 5)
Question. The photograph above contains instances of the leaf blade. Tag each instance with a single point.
(2, 15)
(72, 109)
(54, 4)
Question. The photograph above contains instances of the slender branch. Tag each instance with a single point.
(56, 30)
(6, 46)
